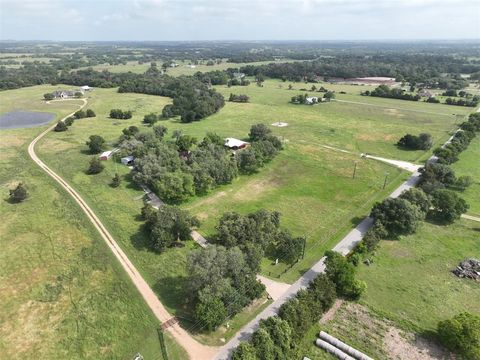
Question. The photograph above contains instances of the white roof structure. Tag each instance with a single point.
(86, 87)
(127, 159)
(311, 99)
(235, 143)
(106, 153)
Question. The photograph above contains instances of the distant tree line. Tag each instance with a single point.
(393, 93)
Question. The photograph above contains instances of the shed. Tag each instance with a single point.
(235, 144)
(86, 88)
(311, 100)
(127, 160)
(106, 155)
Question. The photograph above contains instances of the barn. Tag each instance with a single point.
(235, 144)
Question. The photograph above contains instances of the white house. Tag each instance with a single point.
(235, 144)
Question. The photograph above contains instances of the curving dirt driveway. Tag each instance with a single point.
(194, 349)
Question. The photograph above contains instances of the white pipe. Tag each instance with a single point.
(344, 347)
(333, 350)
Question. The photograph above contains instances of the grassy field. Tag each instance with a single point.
(410, 281)
(469, 164)
(310, 185)
(63, 295)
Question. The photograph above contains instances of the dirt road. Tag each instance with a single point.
(194, 349)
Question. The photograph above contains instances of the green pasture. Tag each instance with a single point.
(63, 293)
(410, 280)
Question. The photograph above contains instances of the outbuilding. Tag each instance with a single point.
(127, 160)
(106, 155)
(86, 88)
(235, 144)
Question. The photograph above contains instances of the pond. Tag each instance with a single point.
(24, 119)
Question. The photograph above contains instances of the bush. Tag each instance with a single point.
(48, 96)
(120, 114)
(463, 182)
(448, 206)
(80, 114)
(95, 166)
(259, 132)
(461, 334)
(61, 126)
(69, 121)
(150, 118)
(115, 181)
(90, 113)
(211, 312)
(413, 142)
(18, 194)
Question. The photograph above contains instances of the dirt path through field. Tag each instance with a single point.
(194, 349)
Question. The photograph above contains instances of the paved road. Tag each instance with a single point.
(194, 349)
(347, 244)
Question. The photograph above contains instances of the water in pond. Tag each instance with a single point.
(24, 119)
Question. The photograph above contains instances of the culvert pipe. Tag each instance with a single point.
(333, 350)
(358, 355)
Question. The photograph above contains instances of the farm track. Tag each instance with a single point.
(194, 349)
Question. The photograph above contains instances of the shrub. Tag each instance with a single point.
(116, 180)
(48, 96)
(61, 126)
(461, 334)
(150, 118)
(80, 114)
(463, 182)
(90, 113)
(259, 132)
(69, 121)
(18, 194)
(95, 166)
(413, 142)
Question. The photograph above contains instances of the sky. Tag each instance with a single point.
(173, 20)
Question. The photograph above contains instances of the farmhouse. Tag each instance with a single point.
(425, 93)
(238, 75)
(235, 144)
(62, 94)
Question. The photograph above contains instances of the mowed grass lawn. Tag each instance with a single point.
(410, 280)
(468, 164)
(63, 295)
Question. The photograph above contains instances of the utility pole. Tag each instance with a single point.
(304, 246)
(354, 169)
(385, 182)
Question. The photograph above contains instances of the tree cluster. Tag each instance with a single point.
(414, 142)
(448, 154)
(257, 233)
(167, 226)
(95, 144)
(393, 93)
(221, 282)
(238, 98)
(120, 114)
(473, 102)
(278, 337)
(264, 147)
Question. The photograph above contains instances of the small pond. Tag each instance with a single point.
(24, 119)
